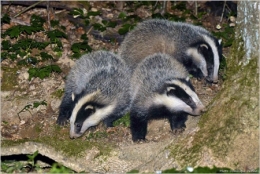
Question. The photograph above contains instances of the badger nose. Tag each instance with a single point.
(74, 135)
(199, 110)
(203, 109)
(210, 80)
(215, 81)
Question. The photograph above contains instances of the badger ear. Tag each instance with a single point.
(220, 41)
(204, 46)
(73, 96)
(187, 78)
(169, 88)
(89, 107)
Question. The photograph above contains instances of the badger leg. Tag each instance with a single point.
(138, 126)
(65, 112)
(177, 122)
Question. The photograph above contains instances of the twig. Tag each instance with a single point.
(19, 22)
(7, 10)
(89, 30)
(223, 11)
(196, 8)
(153, 8)
(48, 14)
(164, 8)
(28, 8)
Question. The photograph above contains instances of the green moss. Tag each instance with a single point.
(133, 171)
(8, 143)
(226, 114)
(9, 80)
(38, 128)
(60, 141)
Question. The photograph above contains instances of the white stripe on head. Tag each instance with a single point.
(216, 57)
(220, 41)
(187, 89)
(92, 120)
(172, 103)
(73, 96)
(198, 60)
(80, 103)
(98, 116)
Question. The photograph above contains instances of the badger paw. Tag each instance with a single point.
(62, 121)
(178, 131)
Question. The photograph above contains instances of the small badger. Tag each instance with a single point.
(160, 87)
(196, 48)
(97, 89)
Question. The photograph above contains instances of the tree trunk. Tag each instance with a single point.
(228, 134)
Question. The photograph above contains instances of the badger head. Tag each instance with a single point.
(206, 56)
(178, 95)
(88, 111)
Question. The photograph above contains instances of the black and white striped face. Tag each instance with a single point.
(87, 113)
(206, 57)
(178, 95)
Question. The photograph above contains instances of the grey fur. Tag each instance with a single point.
(163, 36)
(150, 80)
(102, 71)
(152, 73)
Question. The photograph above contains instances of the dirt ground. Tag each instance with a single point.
(36, 123)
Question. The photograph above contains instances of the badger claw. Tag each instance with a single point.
(178, 131)
(62, 121)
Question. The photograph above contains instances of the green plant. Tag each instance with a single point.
(79, 48)
(5, 19)
(21, 50)
(31, 106)
(206, 170)
(43, 72)
(31, 160)
(36, 26)
(11, 166)
(125, 28)
(124, 121)
(228, 35)
(57, 168)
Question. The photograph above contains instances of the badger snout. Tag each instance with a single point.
(75, 131)
(199, 110)
(212, 80)
(74, 135)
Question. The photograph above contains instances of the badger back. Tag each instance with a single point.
(97, 88)
(194, 46)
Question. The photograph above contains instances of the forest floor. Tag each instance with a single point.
(30, 107)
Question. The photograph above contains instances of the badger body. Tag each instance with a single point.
(196, 48)
(96, 89)
(160, 87)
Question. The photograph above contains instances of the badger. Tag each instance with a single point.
(160, 87)
(195, 47)
(96, 89)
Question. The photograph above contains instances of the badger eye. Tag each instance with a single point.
(78, 125)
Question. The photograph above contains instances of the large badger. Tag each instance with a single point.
(160, 87)
(194, 46)
(97, 89)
